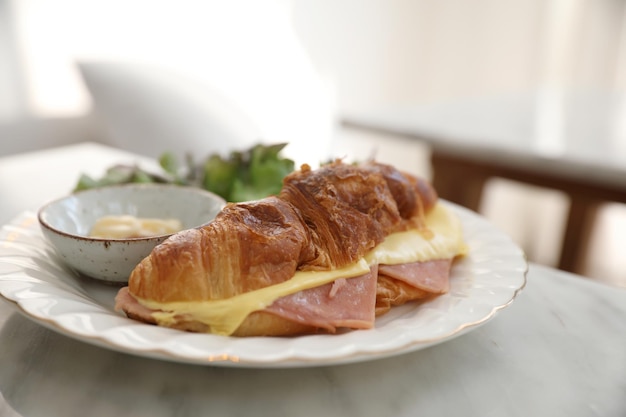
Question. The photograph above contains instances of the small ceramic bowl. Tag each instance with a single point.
(66, 223)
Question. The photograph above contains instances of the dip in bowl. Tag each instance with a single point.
(67, 224)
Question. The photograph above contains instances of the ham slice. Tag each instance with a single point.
(398, 284)
(343, 303)
(126, 302)
(430, 276)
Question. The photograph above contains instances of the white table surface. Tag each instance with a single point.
(574, 134)
(558, 350)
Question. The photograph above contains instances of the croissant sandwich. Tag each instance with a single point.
(336, 247)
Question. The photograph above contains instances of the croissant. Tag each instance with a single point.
(293, 263)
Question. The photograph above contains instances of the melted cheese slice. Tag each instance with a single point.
(444, 241)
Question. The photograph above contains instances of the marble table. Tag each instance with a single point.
(558, 349)
(571, 141)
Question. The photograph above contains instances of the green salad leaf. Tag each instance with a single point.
(246, 175)
(253, 174)
(119, 174)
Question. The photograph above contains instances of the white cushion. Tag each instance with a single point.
(149, 110)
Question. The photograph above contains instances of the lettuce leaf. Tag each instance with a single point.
(245, 175)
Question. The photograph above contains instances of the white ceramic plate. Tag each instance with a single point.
(482, 283)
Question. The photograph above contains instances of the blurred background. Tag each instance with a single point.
(209, 76)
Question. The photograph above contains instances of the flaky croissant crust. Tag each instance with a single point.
(322, 219)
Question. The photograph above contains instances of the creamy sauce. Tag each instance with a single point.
(225, 316)
(127, 226)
